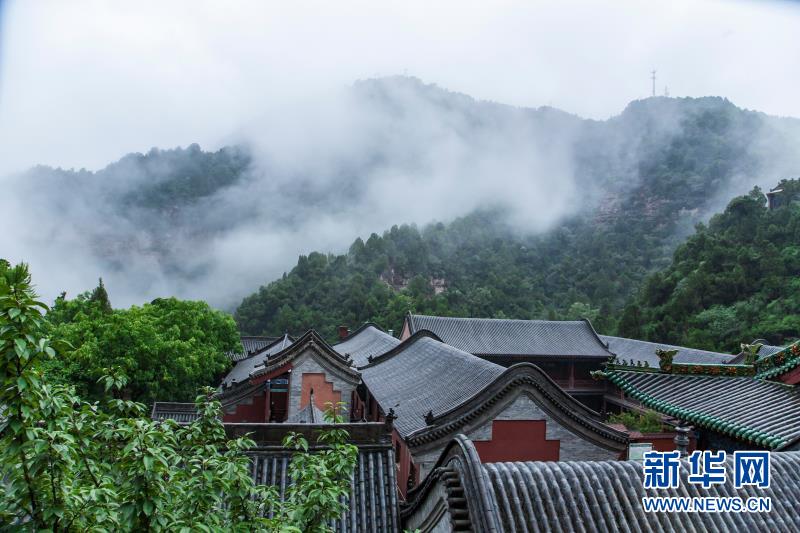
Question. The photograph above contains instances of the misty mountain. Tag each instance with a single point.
(596, 205)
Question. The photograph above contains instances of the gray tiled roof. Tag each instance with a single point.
(636, 350)
(251, 344)
(763, 412)
(487, 336)
(765, 351)
(422, 375)
(242, 369)
(607, 496)
(581, 496)
(372, 502)
(367, 341)
(183, 413)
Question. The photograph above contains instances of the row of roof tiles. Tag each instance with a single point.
(592, 496)
(765, 413)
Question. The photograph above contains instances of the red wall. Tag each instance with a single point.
(254, 412)
(403, 464)
(792, 377)
(662, 442)
(323, 391)
(518, 440)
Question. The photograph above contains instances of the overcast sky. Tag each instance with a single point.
(84, 82)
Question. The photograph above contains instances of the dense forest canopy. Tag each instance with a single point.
(736, 279)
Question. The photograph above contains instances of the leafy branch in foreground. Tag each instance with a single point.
(70, 465)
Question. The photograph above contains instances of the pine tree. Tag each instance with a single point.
(100, 295)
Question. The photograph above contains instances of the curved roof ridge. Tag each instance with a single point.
(594, 332)
(567, 407)
(461, 456)
(310, 339)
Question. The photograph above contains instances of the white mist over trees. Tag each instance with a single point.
(393, 150)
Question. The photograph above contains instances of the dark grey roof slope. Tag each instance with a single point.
(489, 336)
(183, 413)
(372, 502)
(423, 374)
(240, 373)
(763, 412)
(367, 341)
(589, 496)
(251, 344)
(636, 350)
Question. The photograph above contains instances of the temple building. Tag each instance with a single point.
(568, 351)
(488, 425)
(281, 380)
(433, 391)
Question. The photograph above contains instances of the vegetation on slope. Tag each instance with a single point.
(736, 279)
(679, 155)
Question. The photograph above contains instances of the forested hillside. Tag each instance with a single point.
(647, 177)
(736, 279)
(526, 212)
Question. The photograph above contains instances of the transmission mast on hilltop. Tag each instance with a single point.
(653, 77)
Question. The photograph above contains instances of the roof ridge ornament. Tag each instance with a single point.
(751, 352)
(389, 419)
(665, 359)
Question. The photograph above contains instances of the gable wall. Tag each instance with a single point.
(522, 409)
(307, 363)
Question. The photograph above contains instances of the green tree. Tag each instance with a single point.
(733, 281)
(69, 465)
(169, 348)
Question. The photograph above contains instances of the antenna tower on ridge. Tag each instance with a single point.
(653, 77)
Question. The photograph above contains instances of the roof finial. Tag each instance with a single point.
(665, 359)
(751, 352)
(389, 419)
